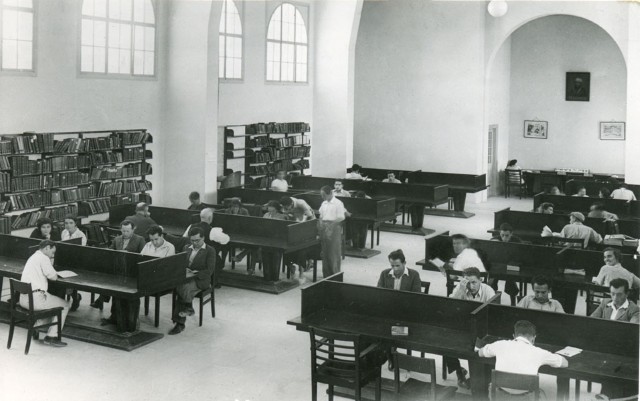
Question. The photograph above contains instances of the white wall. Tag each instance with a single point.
(542, 51)
(632, 160)
(419, 86)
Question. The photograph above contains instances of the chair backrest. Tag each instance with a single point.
(18, 288)
(232, 180)
(425, 366)
(594, 297)
(454, 276)
(329, 347)
(514, 381)
(425, 286)
(513, 176)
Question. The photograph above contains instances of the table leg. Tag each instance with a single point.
(459, 199)
(480, 374)
(563, 388)
(372, 234)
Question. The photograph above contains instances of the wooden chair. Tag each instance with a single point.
(595, 295)
(338, 359)
(205, 297)
(454, 276)
(232, 180)
(513, 381)
(414, 389)
(29, 316)
(513, 178)
(425, 286)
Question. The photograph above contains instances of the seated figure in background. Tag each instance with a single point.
(597, 211)
(613, 269)
(582, 193)
(545, 208)
(540, 299)
(623, 192)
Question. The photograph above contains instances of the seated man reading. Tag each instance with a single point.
(540, 299)
(619, 307)
(399, 276)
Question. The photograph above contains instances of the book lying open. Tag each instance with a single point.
(569, 351)
(66, 274)
(399, 331)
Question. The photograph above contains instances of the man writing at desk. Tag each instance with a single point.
(37, 271)
(521, 356)
(540, 299)
(201, 259)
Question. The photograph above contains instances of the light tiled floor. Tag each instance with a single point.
(247, 352)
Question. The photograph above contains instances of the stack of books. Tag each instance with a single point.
(134, 138)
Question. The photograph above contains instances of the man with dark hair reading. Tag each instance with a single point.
(399, 276)
(540, 299)
(619, 307)
(194, 199)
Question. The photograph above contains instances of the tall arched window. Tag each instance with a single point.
(230, 42)
(17, 27)
(118, 37)
(287, 45)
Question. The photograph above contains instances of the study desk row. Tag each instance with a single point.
(449, 327)
(119, 274)
(531, 260)
(593, 187)
(567, 204)
(543, 180)
(528, 225)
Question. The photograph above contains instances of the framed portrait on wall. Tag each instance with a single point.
(578, 86)
(536, 129)
(612, 130)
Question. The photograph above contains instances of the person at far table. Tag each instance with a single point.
(540, 299)
(338, 189)
(72, 231)
(623, 192)
(332, 214)
(195, 204)
(157, 246)
(236, 208)
(597, 211)
(604, 193)
(545, 208)
(555, 191)
(280, 183)
(391, 178)
(142, 220)
(201, 260)
(45, 230)
(355, 173)
(520, 356)
(126, 241)
(506, 234)
(465, 255)
(38, 271)
(575, 229)
(581, 193)
(399, 276)
(613, 270)
(470, 288)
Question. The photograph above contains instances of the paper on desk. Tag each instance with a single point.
(66, 274)
(546, 232)
(579, 272)
(437, 261)
(569, 351)
(399, 331)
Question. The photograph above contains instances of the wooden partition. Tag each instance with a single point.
(593, 187)
(164, 216)
(153, 275)
(368, 209)
(257, 196)
(568, 204)
(592, 261)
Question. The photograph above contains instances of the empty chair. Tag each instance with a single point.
(344, 360)
(29, 316)
(413, 389)
(509, 386)
(425, 286)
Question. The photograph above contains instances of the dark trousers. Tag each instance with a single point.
(567, 298)
(185, 294)
(103, 298)
(357, 231)
(452, 364)
(271, 265)
(417, 215)
(124, 314)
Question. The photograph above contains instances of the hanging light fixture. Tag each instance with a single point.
(497, 8)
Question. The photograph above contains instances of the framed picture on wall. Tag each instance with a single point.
(578, 86)
(612, 130)
(535, 129)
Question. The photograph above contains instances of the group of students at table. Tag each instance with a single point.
(622, 192)
(518, 355)
(135, 231)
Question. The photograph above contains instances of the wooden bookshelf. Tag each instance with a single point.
(264, 148)
(80, 173)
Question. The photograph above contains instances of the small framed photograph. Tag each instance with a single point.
(578, 86)
(612, 131)
(535, 129)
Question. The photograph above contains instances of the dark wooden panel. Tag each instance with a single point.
(592, 261)
(438, 246)
(162, 273)
(117, 213)
(253, 226)
(570, 204)
(99, 260)
(561, 329)
(302, 232)
(250, 195)
(360, 208)
(17, 247)
(173, 217)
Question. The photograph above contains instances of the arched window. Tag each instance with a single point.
(17, 27)
(230, 42)
(118, 37)
(287, 45)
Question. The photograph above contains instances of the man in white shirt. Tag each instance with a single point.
(332, 214)
(465, 256)
(157, 246)
(72, 231)
(619, 307)
(623, 193)
(280, 183)
(391, 178)
(540, 299)
(355, 173)
(582, 193)
(297, 209)
(37, 271)
(520, 355)
(338, 189)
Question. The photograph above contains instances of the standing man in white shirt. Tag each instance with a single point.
(280, 183)
(332, 214)
(521, 356)
(623, 192)
(37, 271)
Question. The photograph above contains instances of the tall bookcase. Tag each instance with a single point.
(260, 150)
(79, 173)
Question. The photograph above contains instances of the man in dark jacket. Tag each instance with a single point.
(399, 277)
(141, 220)
(201, 261)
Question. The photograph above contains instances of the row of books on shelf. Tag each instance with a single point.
(22, 165)
(46, 181)
(128, 170)
(29, 219)
(270, 154)
(75, 145)
(134, 137)
(102, 205)
(263, 141)
(284, 165)
(34, 199)
(27, 143)
(5, 225)
(275, 128)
